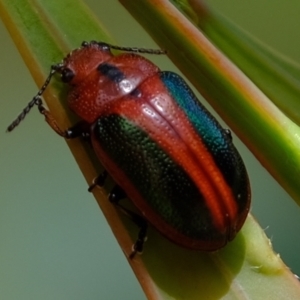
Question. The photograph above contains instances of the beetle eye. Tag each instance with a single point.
(67, 75)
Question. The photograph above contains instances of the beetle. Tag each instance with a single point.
(163, 149)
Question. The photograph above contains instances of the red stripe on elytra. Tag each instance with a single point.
(156, 112)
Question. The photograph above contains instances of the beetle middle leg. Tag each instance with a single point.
(116, 194)
(99, 180)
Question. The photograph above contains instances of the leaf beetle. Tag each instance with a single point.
(163, 149)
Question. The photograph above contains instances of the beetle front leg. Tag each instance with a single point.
(51, 120)
(116, 194)
(80, 129)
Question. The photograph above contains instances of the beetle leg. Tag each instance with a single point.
(142, 236)
(138, 246)
(99, 180)
(80, 129)
(116, 194)
(228, 133)
(50, 119)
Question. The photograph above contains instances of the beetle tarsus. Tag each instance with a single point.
(98, 181)
(138, 246)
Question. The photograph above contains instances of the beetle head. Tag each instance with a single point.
(82, 61)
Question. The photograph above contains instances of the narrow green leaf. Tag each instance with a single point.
(42, 32)
(246, 267)
(277, 76)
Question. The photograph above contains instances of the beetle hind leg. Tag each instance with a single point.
(138, 246)
(116, 194)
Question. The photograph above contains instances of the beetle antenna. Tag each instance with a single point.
(138, 50)
(36, 100)
(129, 49)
